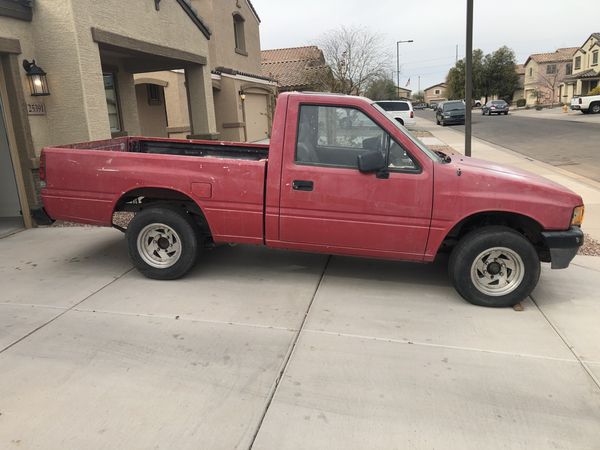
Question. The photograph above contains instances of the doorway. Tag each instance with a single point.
(11, 219)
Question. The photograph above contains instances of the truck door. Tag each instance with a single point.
(327, 204)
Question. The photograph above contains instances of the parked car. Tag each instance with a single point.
(400, 110)
(372, 191)
(476, 103)
(450, 112)
(587, 104)
(420, 106)
(495, 107)
(433, 105)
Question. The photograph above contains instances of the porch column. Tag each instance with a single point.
(200, 103)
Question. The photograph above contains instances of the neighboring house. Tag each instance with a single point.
(436, 93)
(90, 51)
(586, 70)
(520, 92)
(243, 97)
(403, 93)
(544, 72)
(296, 68)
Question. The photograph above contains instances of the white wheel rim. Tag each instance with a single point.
(497, 271)
(159, 245)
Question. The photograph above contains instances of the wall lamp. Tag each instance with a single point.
(242, 95)
(38, 83)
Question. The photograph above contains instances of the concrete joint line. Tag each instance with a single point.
(569, 346)
(450, 347)
(64, 312)
(182, 318)
(288, 356)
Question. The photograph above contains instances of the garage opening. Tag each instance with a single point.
(11, 219)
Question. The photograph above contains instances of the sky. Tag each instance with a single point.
(436, 26)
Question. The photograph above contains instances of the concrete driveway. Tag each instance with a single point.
(276, 350)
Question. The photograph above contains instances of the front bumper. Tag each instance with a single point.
(563, 246)
(459, 119)
(575, 107)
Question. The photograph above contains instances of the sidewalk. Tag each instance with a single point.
(588, 189)
(557, 113)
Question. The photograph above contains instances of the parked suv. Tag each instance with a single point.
(495, 107)
(450, 112)
(400, 110)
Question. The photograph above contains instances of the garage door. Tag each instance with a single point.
(257, 119)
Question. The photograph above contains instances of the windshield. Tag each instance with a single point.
(454, 106)
(394, 106)
(417, 142)
(499, 102)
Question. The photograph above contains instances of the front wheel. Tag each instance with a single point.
(162, 242)
(494, 266)
(595, 108)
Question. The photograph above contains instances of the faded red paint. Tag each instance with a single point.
(406, 216)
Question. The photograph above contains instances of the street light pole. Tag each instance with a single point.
(398, 65)
(469, 78)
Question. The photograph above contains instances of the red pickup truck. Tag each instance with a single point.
(338, 177)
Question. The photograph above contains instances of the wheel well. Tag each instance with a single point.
(143, 198)
(400, 120)
(527, 226)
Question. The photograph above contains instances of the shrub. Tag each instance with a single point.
(595, 91)
(521, 102)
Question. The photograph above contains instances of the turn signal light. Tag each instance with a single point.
(578, 216)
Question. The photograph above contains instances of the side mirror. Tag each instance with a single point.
(372, 161)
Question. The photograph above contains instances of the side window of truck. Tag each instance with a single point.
(334, 136)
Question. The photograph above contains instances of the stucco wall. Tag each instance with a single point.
(153, 117)
(219, 15)
(24, 33)
(59, 39)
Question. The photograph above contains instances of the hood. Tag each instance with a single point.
(469, 185)
(508, 173)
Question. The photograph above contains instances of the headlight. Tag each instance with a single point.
(577, 218)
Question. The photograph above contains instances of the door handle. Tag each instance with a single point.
(302, 185)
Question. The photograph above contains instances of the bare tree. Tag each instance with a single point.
(548, 82)
(355, 56)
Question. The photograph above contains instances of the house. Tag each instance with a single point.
(585, 75)
(296, 68)
(520, 91)
(73, 71)
(403, 93)
(544, 72)
(67, 75)
(243, 98)
(436, 93)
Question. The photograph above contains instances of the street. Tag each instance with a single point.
(573, 146)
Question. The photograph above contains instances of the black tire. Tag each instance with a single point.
(183, 231)
(506, 113)
(473, 245)
(594, 108)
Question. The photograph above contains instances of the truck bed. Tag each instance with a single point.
(84, 182)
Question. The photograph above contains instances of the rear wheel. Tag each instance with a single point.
(595, 108)
(162, 242)
(494, 266)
